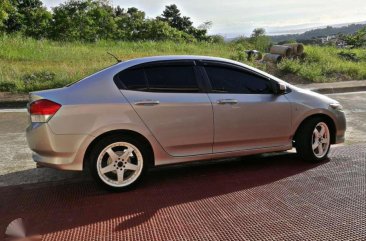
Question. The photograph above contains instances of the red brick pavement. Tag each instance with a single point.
(276, 197)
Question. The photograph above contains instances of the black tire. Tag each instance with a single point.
(304, 141)
(142, 147)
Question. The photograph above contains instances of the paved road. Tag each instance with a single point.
(17, 167)
(354, 104)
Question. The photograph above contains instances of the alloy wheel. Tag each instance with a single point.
(320, 140)
(119, 164)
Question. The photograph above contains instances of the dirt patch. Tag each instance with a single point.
(295, 79)
(339, 77)
(13, 100)
(13, 97)
(290, 78)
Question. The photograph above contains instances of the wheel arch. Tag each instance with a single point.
(119, 132)
(328, 120)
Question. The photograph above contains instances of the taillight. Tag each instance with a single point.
(42, 110)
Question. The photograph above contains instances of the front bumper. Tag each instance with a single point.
(52, 150)
(341, 126)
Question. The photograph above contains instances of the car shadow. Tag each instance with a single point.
(67, 204)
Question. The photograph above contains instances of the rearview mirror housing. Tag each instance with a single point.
(280, 88)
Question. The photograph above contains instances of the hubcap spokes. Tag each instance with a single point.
(119, 164)
(320, 140)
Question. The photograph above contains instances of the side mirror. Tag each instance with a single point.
(281, 88)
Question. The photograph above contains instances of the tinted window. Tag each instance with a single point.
(133, 79)
(227, 80)
(172, 79)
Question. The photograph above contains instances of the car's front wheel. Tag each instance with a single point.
(313, 140)
(118, 163)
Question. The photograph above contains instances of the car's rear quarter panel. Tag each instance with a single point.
(89, 108)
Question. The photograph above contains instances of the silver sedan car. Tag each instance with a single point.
(172, 109)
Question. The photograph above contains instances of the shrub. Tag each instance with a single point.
(349, 56)
(289, 66)
(7, 86)
(239, 55)
(39, 80)
(38, 77)
(312, 72)
(217, 39)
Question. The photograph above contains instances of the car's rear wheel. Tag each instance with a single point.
(313, 140)
(119, 163)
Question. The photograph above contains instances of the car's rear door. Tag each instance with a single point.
(169, 98)
(247, 115)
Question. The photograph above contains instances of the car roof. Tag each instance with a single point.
(132, 62)
(109, 72)
(176, 57)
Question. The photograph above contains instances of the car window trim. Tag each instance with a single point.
(230, 65)
(163, 63)
(160, 63)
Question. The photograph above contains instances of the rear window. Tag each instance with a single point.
(133, 79)
(174, 79)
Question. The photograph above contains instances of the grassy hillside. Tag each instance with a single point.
(320, 32)
(27, 64)
(324, 64)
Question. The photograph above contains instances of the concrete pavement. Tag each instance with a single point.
(16, 164)
(336, 87)
(354, 104)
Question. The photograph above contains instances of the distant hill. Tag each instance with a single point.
(320, 32)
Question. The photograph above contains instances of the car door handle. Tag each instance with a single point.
(227, 101)
(147, 102)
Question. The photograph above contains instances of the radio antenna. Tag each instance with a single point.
(118, 60)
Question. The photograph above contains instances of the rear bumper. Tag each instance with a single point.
(56, 151)
(56, 162)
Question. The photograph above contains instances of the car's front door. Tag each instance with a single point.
(169, 99)
(247, 115)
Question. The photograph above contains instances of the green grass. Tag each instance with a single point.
(322, 64)
(21, 58)
(28, 64)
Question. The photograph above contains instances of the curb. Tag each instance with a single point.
(13, 104)
(339, 90)
(13, 100)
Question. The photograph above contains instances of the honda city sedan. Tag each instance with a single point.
(154, 111)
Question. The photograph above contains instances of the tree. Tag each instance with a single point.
(217, 39)
(92, 20)
(172, 16)
(130, 22)
(5, 9)
(157, 30)
(86, 20)
(205, 25)
(258, 32)
(259, 39)
(29, 17)
(357, 39)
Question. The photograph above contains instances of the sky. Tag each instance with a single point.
(239, 17)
